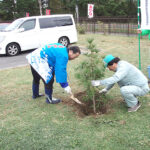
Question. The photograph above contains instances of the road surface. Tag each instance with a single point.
(7, 62)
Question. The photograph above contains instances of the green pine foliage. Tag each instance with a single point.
(90, 69)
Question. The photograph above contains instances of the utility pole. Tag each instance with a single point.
(43, 4)
(138, 14)
(40, 7)
(15, 3)
(77, 11)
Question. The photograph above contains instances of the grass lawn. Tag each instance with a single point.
(27, 124)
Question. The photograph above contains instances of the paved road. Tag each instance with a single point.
(7, 62)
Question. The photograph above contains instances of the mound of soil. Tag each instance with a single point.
(87, 108)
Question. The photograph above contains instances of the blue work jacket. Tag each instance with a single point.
(51, 57)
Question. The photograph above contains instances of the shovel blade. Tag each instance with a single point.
(76, 100)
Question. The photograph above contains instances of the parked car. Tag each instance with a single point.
(32, 32)
(3, 26)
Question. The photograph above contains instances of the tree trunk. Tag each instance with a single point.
(94, 108)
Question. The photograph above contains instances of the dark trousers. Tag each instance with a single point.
(37, 77)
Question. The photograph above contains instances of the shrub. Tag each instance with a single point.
(80, 29)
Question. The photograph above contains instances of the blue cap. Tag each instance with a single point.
(108, 59)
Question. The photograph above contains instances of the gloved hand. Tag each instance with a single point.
(95, 82)
(68, 90)
(103, 91)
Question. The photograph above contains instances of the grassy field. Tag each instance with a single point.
(27, 124)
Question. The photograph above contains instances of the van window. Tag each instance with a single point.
(64, 21)
(47, 23)
(28, 25)
(14, 25)
(55, 22)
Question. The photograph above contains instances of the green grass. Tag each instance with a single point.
(27, 124)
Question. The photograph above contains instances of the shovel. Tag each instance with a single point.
(75, 99)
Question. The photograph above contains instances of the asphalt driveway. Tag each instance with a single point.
(7, 62)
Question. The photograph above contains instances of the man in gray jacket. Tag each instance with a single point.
(131, 80)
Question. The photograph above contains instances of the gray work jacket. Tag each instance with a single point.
(126, 74)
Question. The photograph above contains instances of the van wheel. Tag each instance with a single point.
(64, 41)
(12, 49)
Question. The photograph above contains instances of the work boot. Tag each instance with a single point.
(35, 90)
(49, 100)
(52, 101)
(134, 108)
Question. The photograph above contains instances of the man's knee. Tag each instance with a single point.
(146, 88)
(124, 90)
(48, 86)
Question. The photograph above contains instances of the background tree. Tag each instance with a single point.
(106, 7)
(9, 11)
(24, 6)
(6, 9)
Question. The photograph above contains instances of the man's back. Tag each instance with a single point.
(133, 76)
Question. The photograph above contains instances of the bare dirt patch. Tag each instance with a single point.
(87, 108)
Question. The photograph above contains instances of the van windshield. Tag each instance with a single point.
(14, 25)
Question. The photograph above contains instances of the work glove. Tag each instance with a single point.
(95, 83)
(68, 90)
(103, 91)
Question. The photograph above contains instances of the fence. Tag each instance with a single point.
(108, 25)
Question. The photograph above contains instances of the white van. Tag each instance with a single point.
(32, 32)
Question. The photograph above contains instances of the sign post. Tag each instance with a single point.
(139, 33)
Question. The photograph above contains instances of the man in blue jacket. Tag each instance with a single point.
(131, 80)
(47, 62)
